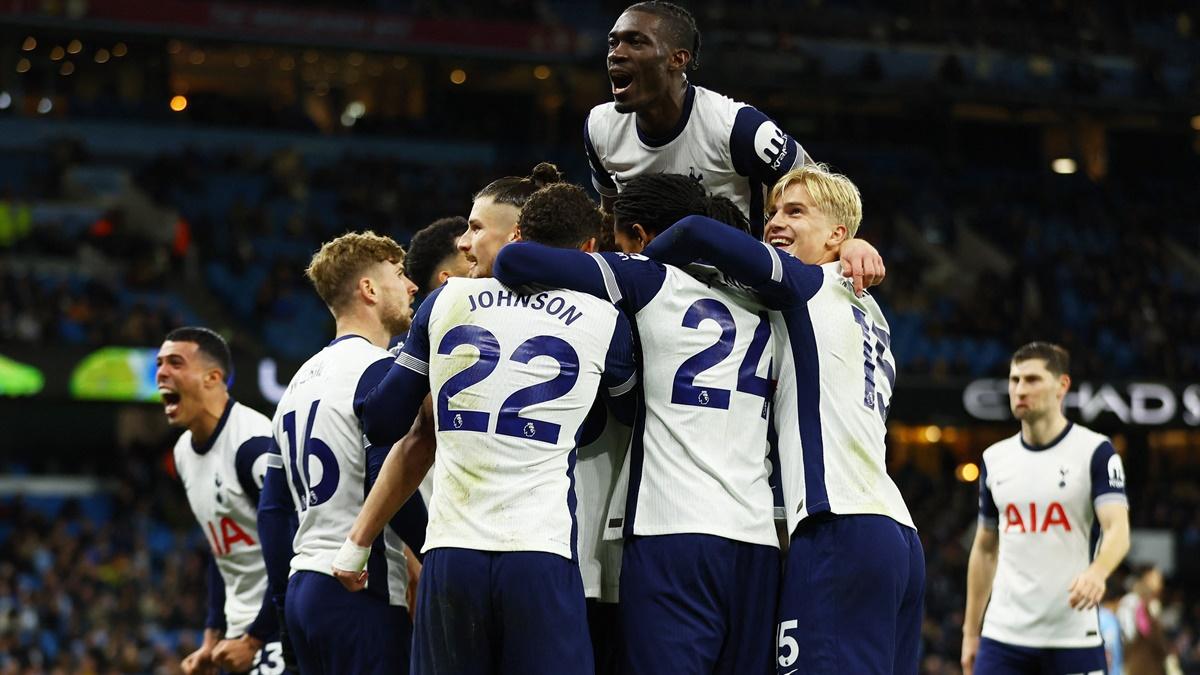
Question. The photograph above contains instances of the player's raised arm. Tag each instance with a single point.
(525, 263)
(779, 278)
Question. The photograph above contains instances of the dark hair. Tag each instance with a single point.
(679, 23)
(657, 201)
(723, 209)
(1058, 360)
(429, 247)
(606, 242)
(209, 343)
(561, 215)
(516, 190)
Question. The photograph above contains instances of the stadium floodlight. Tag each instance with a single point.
(1063, 165)
(5, 100)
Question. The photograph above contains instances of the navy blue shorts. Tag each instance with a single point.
(604, 624)
(998, 658)
(334, 631)
(481, 612)
(696, 604)
(853, 597)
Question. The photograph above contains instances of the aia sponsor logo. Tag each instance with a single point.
(1031, 518)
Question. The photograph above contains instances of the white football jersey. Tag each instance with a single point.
(698, 459)
(836, 375)
(595, 475)
(223, 480)
(1042, 500)
(513, 377)
(325, 460)
(731, 148)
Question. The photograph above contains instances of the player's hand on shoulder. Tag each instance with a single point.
(970, 647)
(862, 263)
(236, 655)
(1087, 590)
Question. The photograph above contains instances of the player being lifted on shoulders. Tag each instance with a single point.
(513, 377)
(326, 468)
(1045, 495)
(658, 122)
(700, 568)
(854, 577)
(221, 458)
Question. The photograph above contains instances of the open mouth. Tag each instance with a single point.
(621, 81)
(170, 399)
(780, 241)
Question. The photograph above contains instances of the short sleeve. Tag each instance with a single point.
(601, 179)
(367, 381)
(989, 515)
(1108, 476)
(247, 455)
(761, 150)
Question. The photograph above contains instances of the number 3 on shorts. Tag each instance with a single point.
(787, 642)
(269, 660)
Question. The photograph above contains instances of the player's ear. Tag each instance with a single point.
(640, 236)
(1064, 385)
(589, 246)
(443, 275)
(366, 289)
(679, 60)
(515, 235)
(837, 236)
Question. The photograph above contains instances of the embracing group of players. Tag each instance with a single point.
(661, 455)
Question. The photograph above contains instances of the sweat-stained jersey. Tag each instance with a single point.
(223, 480)
(1042, 501)
(513, 377)
(698, 459)
(731, 148)
(325, 459)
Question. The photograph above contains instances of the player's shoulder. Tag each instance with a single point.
(712, 102)
(601, 121)
(353, 353)
(1003, 449)
(182, 445)
(1087, 442)
(245, 422)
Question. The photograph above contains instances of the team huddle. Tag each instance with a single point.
(647, 437)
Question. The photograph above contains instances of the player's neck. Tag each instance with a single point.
(1040, 432)
(659, 119)
(206, 424)
(370, 329)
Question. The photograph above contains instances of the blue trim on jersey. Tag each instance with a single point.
(212, 440)
(377, 563)
(637, 457)
(347, 336)
(243, 462)
(688, 99)
(803, 342)
(988, 512)
(600, 177)
(1051, 444)
(371, 376)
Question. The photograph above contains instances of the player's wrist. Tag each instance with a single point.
(351, 556)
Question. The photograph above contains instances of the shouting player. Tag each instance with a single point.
(660, 123)
(512, 377)
(700, 568)
(221, 458)
(1045, 494)
(328, 469)
(854, 579)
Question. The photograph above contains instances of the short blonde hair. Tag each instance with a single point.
(335, 269)
(835, 194)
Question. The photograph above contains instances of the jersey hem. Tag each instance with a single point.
(768, 538)
(1011, 639)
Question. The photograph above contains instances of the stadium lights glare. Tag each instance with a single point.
(102, 55)
(45, 105)
(29, 44)
(5, 100)
(1196, 122)
(67, 68)
(933, 434)
(23, 66)
(1063, 165)
(967, 473)
(57, 53)
(179, 103)
(120, 50)
(356, 109)
(542, 72)
(74, 47)
(458, 76)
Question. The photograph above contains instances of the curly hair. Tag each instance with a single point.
(429, 247)
(561, 215)
(335, 268)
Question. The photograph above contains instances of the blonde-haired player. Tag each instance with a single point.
(854, 579)
(327, 467)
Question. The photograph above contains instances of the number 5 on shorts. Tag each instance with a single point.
(789, 643)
